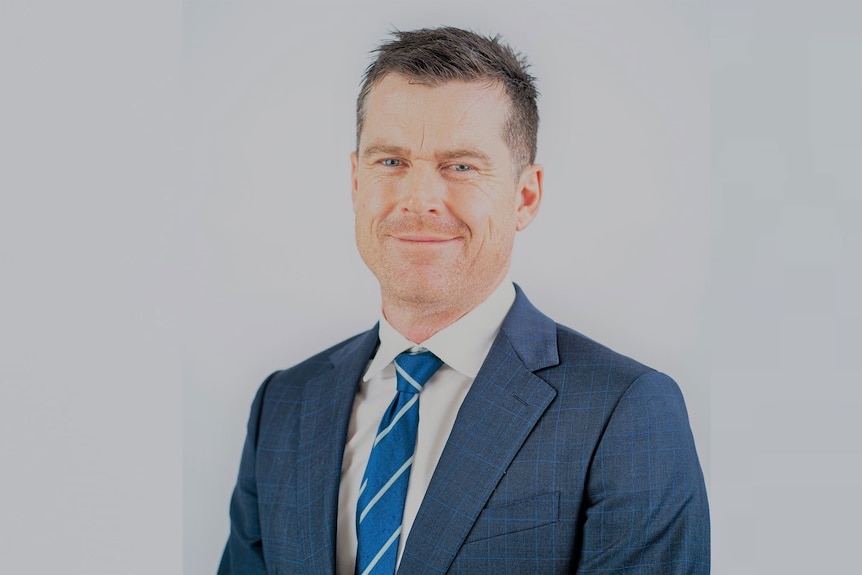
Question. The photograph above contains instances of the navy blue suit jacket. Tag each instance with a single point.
(565, 457)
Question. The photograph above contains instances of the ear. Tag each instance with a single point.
(529, 195)
(354, 163)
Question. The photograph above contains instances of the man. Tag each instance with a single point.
(512, 444)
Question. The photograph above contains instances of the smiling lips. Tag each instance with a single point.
(417, 232)
(423, 238)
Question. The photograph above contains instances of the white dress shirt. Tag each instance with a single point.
(463, 346)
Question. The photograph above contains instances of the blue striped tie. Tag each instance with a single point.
(384, 486)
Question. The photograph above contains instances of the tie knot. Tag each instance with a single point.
(414, 369)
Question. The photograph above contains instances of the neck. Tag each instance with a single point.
(419, 321)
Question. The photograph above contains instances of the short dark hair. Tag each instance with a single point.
(438, 55)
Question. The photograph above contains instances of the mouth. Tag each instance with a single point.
(424, 239)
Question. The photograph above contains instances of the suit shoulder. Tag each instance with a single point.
(577, 349)
(565, 358)
(324, 359)
(591, 371)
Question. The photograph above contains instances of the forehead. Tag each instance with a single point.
(399, 107)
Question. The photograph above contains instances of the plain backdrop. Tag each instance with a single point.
(176, 224)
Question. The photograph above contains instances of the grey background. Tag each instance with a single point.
(784, 305)
(175, 178)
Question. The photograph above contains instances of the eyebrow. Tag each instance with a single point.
(470, 153)
(454, 154)
(385, 150)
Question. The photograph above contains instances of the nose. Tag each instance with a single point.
(423, 190)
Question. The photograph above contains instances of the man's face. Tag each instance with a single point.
(435, 194)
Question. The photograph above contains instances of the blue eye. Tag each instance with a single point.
(461, 167)
(392, 163)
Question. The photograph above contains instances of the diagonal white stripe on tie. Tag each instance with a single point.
(385, 488)
(382, 551)
(407, 376)
(384, 432)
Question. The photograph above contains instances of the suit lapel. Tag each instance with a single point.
(503, 405)
(327, 404)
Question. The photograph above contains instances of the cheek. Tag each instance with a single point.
(483, 215)
(491, 221)
(360, 207)
(371, 208)
(363, 202)
(373, 197)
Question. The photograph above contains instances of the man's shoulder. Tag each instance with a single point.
(602, 368)
(361, 344)
(530, 329)
(575, 346)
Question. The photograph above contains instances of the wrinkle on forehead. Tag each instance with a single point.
(486, 92)
(438, 115)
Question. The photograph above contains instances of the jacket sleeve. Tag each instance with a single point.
(647, 509)
(243, 554)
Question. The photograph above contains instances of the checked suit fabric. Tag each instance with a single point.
(384, 486)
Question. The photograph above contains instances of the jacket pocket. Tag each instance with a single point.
(506, 516)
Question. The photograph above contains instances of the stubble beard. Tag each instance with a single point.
(427, 285)
(417, 280)
(444, 289)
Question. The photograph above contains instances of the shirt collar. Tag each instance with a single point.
(462, 345)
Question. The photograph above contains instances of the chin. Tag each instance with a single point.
(422, 293)
(421, 289)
